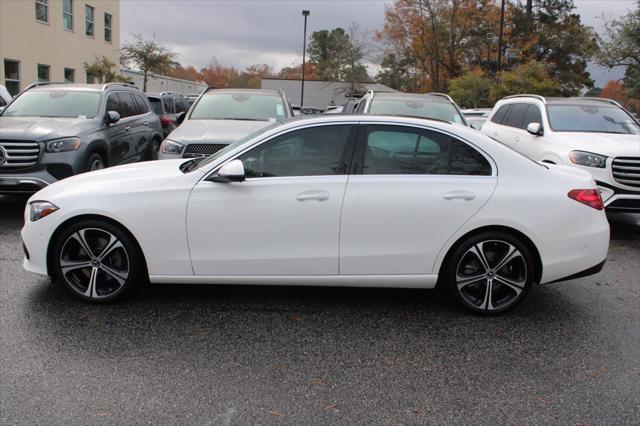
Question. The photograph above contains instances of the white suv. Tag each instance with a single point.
(594, 134)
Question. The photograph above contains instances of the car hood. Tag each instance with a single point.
(609, 144)
(129, 178)
(42, 128)
(215, 131)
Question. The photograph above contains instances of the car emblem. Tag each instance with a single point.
(3, 156)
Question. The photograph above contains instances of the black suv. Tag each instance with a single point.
(52, 131)
(168, 105)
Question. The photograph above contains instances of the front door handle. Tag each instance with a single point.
(313, 195)
(459, 195)
(146, 123)
(517, 138)
(127, 128)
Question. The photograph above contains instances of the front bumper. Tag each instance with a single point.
(27, 183)
(618, 199)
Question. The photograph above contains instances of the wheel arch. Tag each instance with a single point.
(56, 233)
(496, 228)
(98, 146)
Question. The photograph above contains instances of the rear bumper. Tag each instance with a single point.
(589, 271)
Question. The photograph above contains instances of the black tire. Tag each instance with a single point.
(95, 162)
(154, 149)
(113, 276)
(468, 280)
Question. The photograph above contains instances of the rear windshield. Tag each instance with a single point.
(55, 103)
(238, 106)
(156, 105)
(418, 108)
(591, 118)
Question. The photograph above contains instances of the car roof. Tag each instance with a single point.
(402, 96)
(573, 100)
(246, 91)
(71, 86)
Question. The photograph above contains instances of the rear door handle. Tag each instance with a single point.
(127, 128)
(459, 195)
(313, 195)
(146, 123)
(517, 138)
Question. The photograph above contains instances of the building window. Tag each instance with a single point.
(43, 73)
(91, 79)
(67, 15)
(69, 75)
(107, 27)
(12, 76)
(88, 18)
(42, 10)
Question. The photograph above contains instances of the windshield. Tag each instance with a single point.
(200, 162)
(238, 106)
(55, 103)
(591, 118)
(417, 108)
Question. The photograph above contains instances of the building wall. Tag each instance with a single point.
(158, 83)
(31, 42)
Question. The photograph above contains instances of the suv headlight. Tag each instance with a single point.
(171, 147)
(62, 145)
(40, 209)
(588, 159)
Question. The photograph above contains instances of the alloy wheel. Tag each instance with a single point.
(491, 275)
(96, 164)
(94, 263)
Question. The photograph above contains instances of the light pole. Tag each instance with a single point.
(500, 37)
(305, 13)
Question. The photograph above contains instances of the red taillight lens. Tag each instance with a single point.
(165, 120)
(590, 197)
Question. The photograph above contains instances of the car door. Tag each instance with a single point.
(414, 189)
(284, 219)
(531, 145)
(512, 128)
(143, 131)
(118, 135)
(494, 128)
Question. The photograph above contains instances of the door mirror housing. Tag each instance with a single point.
(233, 171)
(113, 117)
(180, 118)
(534, 129)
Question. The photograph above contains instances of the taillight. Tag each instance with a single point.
(165, 120)
(590, 197)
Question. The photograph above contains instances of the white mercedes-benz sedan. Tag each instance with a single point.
(336, 200)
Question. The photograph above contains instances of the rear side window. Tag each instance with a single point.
(156, 105)
(498, 117)
(533, 115)
(181, 104)
(169, 106)
(516, 116)
(392, 150)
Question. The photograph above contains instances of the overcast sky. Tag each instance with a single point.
(243, 32)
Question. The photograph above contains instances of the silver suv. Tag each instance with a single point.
(52, 131)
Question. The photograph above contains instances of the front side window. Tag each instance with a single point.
(128, 107)
(515, 118)
(392, 150)
(238, 106)
(533, 115)
(107, 27)
(12, 76)
(67, 15)
(316, 151)
(591, 118)
(69, 75)
(498, 117)
(417, 107)
(54, 103)
(88, 20)
(43, 73)
(143, 107)
(42, 10)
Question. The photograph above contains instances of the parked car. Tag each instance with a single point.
(350, 106)
(52, 131)
(593, 134)
(476, 117)
(168, 106)
(222, 116)
(5, 97)
(428, 105)
(334, 200)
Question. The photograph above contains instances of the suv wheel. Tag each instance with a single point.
(95, 162)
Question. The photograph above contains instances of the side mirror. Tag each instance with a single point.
(180, 118)
(475, 126)
(113, 117)
(534, 129)
(233, 171)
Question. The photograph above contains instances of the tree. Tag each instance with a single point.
(294, 72)
(471, 90)
(397, 73)
(147, 56)
(176, 70)
(103, 70)
(530, 78)
(614, 90)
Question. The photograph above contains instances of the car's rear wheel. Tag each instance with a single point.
(491, 272)
(95, 162)
(154, 150)
(97, 261)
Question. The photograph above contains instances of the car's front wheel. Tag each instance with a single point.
(97, 261)
(490, 272)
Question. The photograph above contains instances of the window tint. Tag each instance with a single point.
(127, 106)
(169, 106)
(181, 104)
(532, 116)
(156, 105)
(143, 107)
(395, 150)
(516, 115)
(308, 152)
(500, 114)
(113, 103)
(424, 106)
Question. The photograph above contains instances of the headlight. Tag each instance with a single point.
(171, 147)
(61, 145)
(588, 159)
(40, 209)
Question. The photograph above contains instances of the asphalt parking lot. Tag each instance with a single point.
(238, 355)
